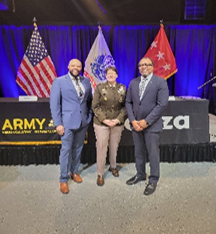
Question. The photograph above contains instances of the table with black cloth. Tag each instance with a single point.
(185, 122)
(29, 137)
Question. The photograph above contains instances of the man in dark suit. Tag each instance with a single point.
(70, 104)
(146, 99)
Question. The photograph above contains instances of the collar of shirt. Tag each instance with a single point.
(75, 81)
(111, 86)
(148, 78)
(73, 78)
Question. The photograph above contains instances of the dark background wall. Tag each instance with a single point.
(69, 27)
(21, 12)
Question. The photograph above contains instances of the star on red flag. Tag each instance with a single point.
(161, 54)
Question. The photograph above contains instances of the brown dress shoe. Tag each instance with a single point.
(100, 180)
(76, 178)
(64, 188)
(114, 171)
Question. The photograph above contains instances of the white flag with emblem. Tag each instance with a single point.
(99, 58)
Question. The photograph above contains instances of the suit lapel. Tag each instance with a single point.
(83, 83)
(148, 87)
(82, 80)
(137, 87)
(71, 86)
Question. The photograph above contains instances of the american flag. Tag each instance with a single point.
(36, 72)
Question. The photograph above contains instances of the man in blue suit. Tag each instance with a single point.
(70, 104)
(146, 99)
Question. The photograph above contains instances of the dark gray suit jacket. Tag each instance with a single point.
(152, 104)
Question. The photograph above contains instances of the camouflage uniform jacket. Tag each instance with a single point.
(109, 103)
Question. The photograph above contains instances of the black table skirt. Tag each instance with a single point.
(49, 154)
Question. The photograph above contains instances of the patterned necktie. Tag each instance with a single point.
(142, 87)
(80, 92)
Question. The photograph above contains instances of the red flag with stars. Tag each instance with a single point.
(162, 55)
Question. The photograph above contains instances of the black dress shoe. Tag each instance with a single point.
(150, 188)
(134, 180)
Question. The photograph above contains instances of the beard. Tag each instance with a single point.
(74, 75)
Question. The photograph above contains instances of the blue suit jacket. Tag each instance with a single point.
(152, 104)
(66, 108)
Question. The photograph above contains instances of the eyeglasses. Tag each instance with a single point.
(145, 64)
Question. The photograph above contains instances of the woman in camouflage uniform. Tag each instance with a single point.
(110, 114)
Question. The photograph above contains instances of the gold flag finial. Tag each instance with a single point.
(99, 25)
(161, 22)
(34, 22)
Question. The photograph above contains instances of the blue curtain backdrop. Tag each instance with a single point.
(193, 47)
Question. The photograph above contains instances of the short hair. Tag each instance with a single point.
(150, 60)
(113, 68)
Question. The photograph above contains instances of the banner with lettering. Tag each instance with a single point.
(26, 123)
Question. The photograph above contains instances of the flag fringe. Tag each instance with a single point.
(171, 74)
(56, 142)
(30, 143)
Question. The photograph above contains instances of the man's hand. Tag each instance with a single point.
(136, 126)
(60, 130)
(142, 123)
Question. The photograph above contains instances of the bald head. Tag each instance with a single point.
(75, 67)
